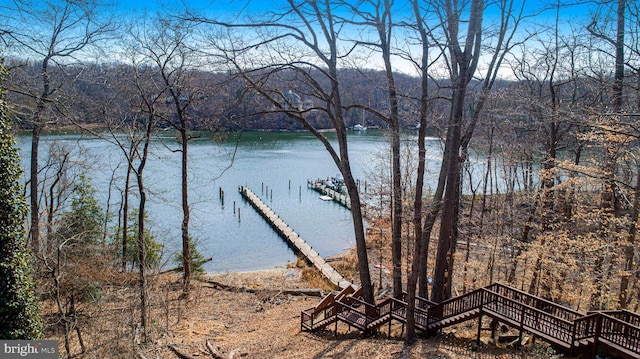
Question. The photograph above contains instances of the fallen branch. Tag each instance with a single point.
(214, 353)
(181, 354)
(293, 291)
(179, 269)
(232, 353)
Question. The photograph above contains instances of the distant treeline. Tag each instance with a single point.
(99, 94)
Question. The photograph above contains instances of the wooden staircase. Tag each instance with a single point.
(575, 333)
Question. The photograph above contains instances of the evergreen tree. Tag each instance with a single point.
(19, 311)
(83, 223)
(153, 249)
(79, 240)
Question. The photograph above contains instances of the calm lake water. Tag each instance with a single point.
(275, 165)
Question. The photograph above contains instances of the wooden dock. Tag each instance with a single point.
(340, 198)
(298, 244)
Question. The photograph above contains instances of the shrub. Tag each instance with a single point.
(19, 310)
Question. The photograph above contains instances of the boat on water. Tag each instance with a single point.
(325, 198)
(338, 179)
(329, 184)
(358, 127)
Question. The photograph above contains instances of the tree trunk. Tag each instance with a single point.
(429, 222)
(464, 63)
(419, 255)
(448, 236)
(618, 83)
(186, 255)
(384, 27)
(358, 226)
(35, 151)
(125, 212)
(52, 202)
(396, 234)
(142, 261)
(629, 247)
(33, 187)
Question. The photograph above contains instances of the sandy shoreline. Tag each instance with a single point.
(277, 277)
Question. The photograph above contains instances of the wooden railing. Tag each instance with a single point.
(385, 307)
(455, 306)
(625, 315)
(357, 313)
(529, 318)
(618, 331)
(312, 318)
(420, 302)
(536, 302)
(421, 311)
(585, 327)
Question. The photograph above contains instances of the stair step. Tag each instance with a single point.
(586, 342)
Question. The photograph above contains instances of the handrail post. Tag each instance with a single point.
(596, 338)
(522, 311)
(482, 293)
(573, 336)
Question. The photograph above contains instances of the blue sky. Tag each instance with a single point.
(253, 4)
(229, 9)
(207, 6)
(569, 16)
(232, 7)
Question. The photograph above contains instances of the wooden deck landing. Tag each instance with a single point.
(340, 198)
(293, 239)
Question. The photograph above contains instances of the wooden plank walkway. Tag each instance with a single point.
(340, 198)
(293, 239)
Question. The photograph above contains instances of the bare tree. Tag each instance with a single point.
(421, 240)
(464, 57)
(55, 33)
(380, 19)
(615, 37)
(138, 123)
(165, 48)
(464, 49)
(301, 45)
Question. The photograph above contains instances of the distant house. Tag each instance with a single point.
(307, 104)
(292, 101)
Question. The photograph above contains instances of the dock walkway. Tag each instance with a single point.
(337, 197)
(293, 239)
